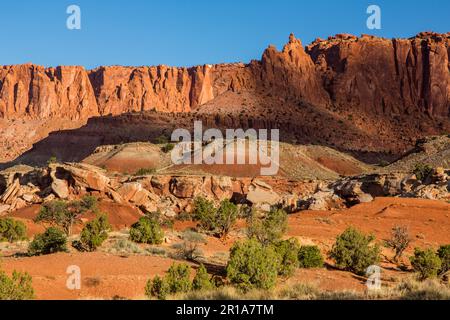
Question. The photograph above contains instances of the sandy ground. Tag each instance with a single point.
(108, 276)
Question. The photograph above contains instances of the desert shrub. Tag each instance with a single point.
(189, 249)
(163, 139)
(218, 221)
(52, 160)
(125, 246)
(51, 241)
(145, 172)
(444, 254)
(430, 289)
(310, 257)
(422, 171)
(65, 214)
(168, 147)
(178, 278)
(95, 233)
(157, 288)
(426, 263)
(159, 218)
(353, 251)
(226, 217)
(146, 230)
(12, 230)
(287, 251)
(269, 228)
(202, 280)
(17, 287)
(205, 213)
(184, 216)
(399, 241)
(253, 265)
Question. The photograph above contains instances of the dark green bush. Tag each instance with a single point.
(51, 241)
(218, 221)
(12, 230)
(310, 257)
(253, 265)
(353, 251)
(287, 251)
(426, 263)
(422, 171)
(157, 288)
(444, 254)
(226, 217)
(168, 147)
(205, 214)
(95, 233)
(268, 228)
(178, 278)
(147, 230)
(202, 280)
(17, 287)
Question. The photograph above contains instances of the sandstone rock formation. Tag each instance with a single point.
(382, 76)
(368, 73)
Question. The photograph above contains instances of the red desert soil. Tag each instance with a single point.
(105, 276)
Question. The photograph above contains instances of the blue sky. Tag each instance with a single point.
(191, 32)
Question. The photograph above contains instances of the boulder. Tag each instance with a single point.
(87, 176)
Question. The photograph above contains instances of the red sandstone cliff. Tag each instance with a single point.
(391, 77)
(361, 75)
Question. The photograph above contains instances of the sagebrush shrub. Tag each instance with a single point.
(287, 251)
(189, 249)
(253, 265)
(310, 257)
(51, 241)
(353, 251)
(12, 230)
(426, 263)
(147, 230)
(17, 287)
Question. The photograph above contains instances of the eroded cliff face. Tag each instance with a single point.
(386, 77)
(368, 74)
(38, 92)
